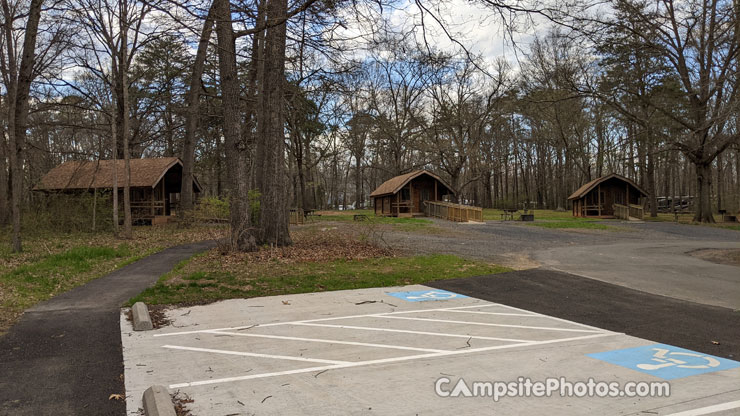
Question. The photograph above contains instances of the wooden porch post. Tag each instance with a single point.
(164, 198)
(411, 196)
(627, 194)
(599, 204)
(436, 198)
(151, 208)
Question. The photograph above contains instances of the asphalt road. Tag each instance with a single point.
(616, 308)
(64, 356)
(649, 256)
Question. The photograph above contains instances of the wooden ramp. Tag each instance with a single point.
(453, 212)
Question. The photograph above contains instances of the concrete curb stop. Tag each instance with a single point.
(157, 402)
(141, 318)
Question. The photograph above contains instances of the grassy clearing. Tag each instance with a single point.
(539, 214)
(31, 283)
(553, 219)
(689, 219)
(320, 259)
(193, 282)
(55, 263)
(413, 225)
(348, 216)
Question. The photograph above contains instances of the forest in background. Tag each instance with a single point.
(314, 103)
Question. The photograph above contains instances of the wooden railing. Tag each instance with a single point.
(626, 211)
(453, 212)
(147, 209)
(621, 211)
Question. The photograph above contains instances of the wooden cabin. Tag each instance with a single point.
(404, 195)
(597, 197)
(155, 183)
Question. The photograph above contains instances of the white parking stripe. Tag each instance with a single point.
(551, 317)
(497, 313)
(380, 361)
(327, 341)
(709, 409)
(484, 305)
(252, 354)
(490, 324)
(408, 331)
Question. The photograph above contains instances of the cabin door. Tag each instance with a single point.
(607, 200)
(424, 196)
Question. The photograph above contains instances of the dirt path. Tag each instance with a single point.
(64, 357)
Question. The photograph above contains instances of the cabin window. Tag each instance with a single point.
(619, 198)
(405, 194)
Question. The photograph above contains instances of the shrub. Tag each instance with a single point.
(69, 212)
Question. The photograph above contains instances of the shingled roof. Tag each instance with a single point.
(588, 186)
(85, 174)
(393, 185)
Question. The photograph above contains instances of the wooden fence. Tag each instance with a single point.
(453, 212)
(626, 212)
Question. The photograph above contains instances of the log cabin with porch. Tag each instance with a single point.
(608, 197)
(155, 184)
(404, 195)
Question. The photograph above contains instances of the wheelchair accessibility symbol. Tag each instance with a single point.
(666, 361)
(660, 357)
(424, 295)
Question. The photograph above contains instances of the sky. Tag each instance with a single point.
(477, 27)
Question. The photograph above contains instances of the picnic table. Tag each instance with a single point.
(508, 214)
(310, 213)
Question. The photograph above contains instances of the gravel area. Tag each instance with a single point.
(514, 244)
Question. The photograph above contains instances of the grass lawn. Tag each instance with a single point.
(553, 219)
(397, 224)
(539, 214)
(316, 262)
(55, 263)
(689, 219)
(350, 216)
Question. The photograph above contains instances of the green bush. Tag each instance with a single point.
(69, 212)
(212, 207)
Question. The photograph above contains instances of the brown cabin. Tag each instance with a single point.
(597, 197)
(155, 183)
(404, 195)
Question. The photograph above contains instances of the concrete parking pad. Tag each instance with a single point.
(369, 352)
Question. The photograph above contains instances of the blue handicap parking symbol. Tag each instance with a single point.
(424, 295)
(666, 361)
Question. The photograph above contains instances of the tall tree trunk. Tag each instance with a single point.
(703, 206)
(271, 178)
(241, 237)
(123, 109)
(720, 182)
(302, 184)
(20, 118)
(3, 178)
(192, 115)
(3, 183)
(652, 193)
(359, 198)
(114, 128)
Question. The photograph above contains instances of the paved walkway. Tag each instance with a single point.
(64, 356)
